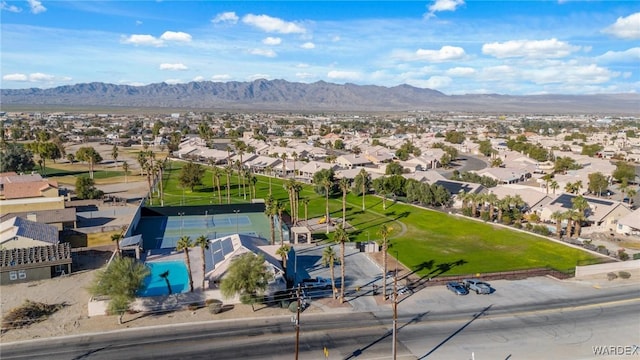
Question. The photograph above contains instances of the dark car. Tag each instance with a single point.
(457, 288)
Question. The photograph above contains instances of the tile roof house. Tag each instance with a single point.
(34, 263)
(351, 161)
(13, 186)
(630, 224)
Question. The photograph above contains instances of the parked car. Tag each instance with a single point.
(316, 283)
(480, 287)
(457, 288)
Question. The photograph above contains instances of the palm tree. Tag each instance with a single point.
(240, 172)
(295, 158)
(203, 243)
(212, 163)
(283, 250)
(253, 180)
(269, 171)
(364, 177)
(306, 211)
(125, 168)
(270, 211)
(341, 237)
(216, 173)
(578, 186)
(279, 206)
(558, 216)
(297, 188)
(329, 259)
(631, 192)
(344, 186)
(473, 199)
(284, 157)
(114, 154)
(569, 187)
(569, 215)
(554, 186)
(326, 182)
(184, 243)
(503, 205)
(491, 199)
(547, 179)
(580, 205)
(116, 238)
(384, 232)
(228, 170)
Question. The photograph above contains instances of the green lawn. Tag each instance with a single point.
(424, 240)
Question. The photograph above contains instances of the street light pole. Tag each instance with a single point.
(297, 322)
(394, 349)
(237, 211)
(182, 220)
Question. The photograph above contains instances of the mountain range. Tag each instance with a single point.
(319, 96)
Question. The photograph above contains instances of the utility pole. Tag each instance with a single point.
(297, 323)
(394, 349)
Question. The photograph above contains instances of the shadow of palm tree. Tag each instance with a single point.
(457, 331)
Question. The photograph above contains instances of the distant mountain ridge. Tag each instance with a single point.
(319, 96)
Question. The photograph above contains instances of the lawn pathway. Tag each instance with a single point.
(403, 227)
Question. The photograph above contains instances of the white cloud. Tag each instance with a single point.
(263, 52)
(551, 48)
(15, 77)
(221, 77)
(461, 71)
(36, 6)
(39, 77)
(443, 5)
(571, 74)
(144, 40)
(258, 76)
(336, 38)
(344, 75)
(271, 24)
(173, 67)
(446, 53)
(304, 75)
(628, 56)
(138, 22)
(434, 82)
(308, 45)
(9, 8)
(228, 17)
(302, 65)
(272, 41)
(176, 36)
(625, 27)
(198, 78)
(173, 81)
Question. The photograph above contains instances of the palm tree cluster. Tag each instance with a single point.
(485, 204)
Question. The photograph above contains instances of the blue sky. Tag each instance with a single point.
(454, 46)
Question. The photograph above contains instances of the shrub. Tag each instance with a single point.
(214, 305)
(624, 274)
(611, 276)
(194, 306)
(636, 256)
(541, 229)
(622, 255)
(484, 215)
(28, 313)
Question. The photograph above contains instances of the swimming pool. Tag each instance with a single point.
(156, 285)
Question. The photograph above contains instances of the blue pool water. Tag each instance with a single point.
(154, 285)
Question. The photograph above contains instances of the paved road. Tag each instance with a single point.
(566, 329)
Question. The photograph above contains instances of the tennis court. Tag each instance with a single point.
(163, 232)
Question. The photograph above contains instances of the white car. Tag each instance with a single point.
(480, 287)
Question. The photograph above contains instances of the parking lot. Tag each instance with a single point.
(362, 273)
